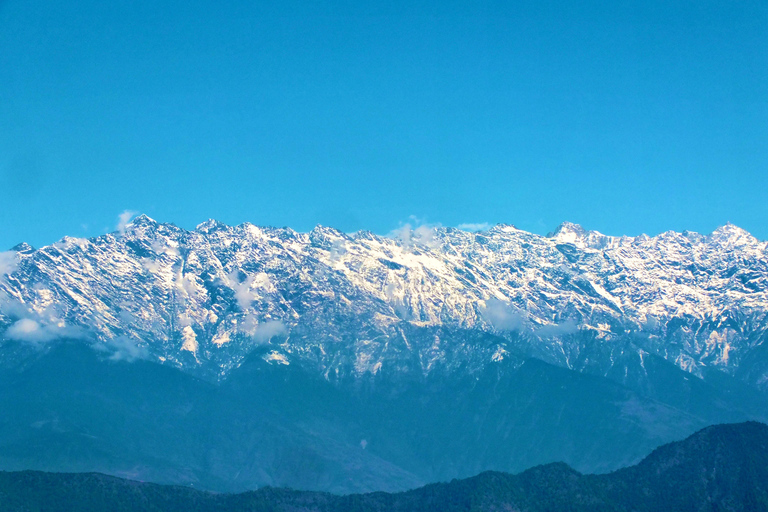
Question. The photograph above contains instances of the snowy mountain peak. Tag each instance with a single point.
(574, 234)
(569, 230)
(350, 304)
(730, 235)
(504, 228)
(143, 220)
(327, 238)
(327, 231)
(23, 247)
(210, 226)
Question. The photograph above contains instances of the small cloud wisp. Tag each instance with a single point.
(124, 219)
(474, 226)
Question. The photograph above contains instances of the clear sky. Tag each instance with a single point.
(626, 117)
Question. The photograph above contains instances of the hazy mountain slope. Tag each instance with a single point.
(69, 411)
(73, 409)
(721, 468)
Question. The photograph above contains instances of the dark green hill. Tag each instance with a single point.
(720, 468)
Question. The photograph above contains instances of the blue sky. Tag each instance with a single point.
(625, 117)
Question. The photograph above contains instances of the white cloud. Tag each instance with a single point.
(261, 332)
(36, 326)
(68, 242)
(269, 329)
(338, 250)
(184, 320)
(33, 331)
(417, 233)
(248, 324)
(30, 330)
(243, 293)
(169, 247)
(248, 291)
(554, 330)
(474, 226)
(151, 266)
(126, 349)
(502, 315)
(8, 262)
(403, 233)
(123, 219)
(187, 284)
(425, 235)
(389, 291)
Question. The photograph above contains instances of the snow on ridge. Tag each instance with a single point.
(204, 291)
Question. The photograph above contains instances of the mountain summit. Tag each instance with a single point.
(348, 304)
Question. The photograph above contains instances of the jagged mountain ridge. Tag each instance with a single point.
(357, 304)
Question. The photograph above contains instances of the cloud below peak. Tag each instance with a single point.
(36, 327)
(33, 331)
(126, 349)
(416, 232)
(502, 315)
(123, 219)
(8, 262)
(269, 329)
(474, 226)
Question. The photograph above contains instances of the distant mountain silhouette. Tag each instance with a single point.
(719, 468)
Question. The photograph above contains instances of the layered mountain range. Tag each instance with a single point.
(724, 467)
(235, 357)
(356, 304)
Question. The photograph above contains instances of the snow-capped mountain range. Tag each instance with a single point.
(354, 305)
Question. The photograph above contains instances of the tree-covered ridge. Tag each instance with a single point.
(720, 468)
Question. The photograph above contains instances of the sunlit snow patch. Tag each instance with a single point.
(221, 339)
(276, 357)
(190, 340)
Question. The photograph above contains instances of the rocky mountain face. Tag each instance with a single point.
(229, 358)
(351, 305)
